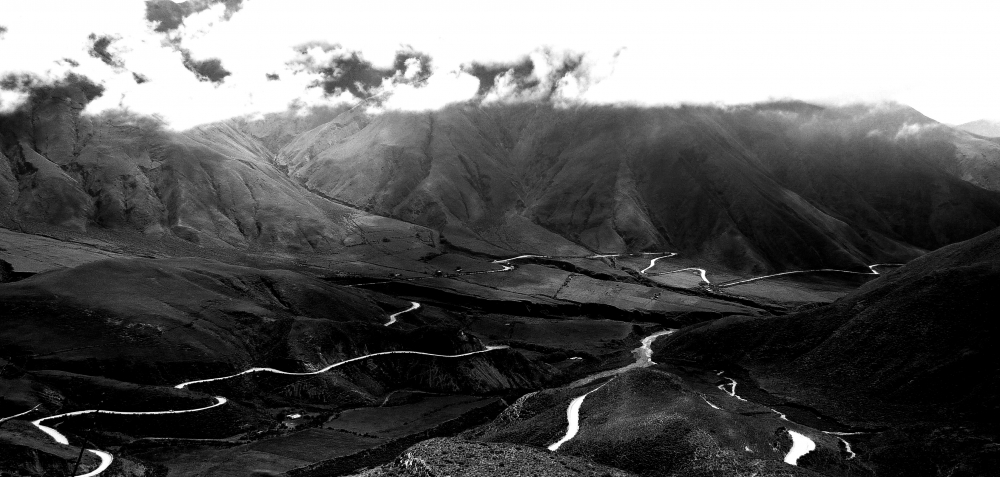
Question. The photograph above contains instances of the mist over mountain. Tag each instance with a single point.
(982, 127)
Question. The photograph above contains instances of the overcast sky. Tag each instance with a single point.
(939, 57)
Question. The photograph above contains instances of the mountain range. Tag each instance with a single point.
(766, 187)
(982, 127)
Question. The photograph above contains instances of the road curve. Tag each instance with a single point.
(15, 416)
(520, 257)
(847, 445)
(392, 318)
(107, 459)
(643, 358)
(801, 445)
(731, 391)
(652, 263)
(61, 439)
(573, 419)
(749, 280)
(334, 365)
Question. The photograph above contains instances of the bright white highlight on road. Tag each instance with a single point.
(643, 358)
(106, 460)
(573, 419)
(392, 318)
(801, 445)
(652, 263)
(341, 363)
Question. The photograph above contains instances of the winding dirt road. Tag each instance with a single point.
(392, 318)
(643, 358)
(15, 416)
(801, 444)
(652, 263)
(106, 458)
(754, 279)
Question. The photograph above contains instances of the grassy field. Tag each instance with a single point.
(394, 421)
(823, 287)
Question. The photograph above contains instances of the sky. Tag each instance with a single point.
(938, 57)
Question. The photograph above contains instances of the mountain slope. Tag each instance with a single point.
(214, 187)
(913, 349)
(760, 187)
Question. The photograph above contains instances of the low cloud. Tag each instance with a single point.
(344, 71)
(518, 73)
(100, 48)
(24, 94)
(205, 70)
(168, 15)
(913, 130)
(542, 75)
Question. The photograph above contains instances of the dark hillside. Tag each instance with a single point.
(913, 348)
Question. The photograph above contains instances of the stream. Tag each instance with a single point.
(643, 358)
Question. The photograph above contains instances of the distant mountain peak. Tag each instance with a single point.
(982, 127)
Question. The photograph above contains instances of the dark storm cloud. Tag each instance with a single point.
(166, 14)
(139, 78)
(99, 49)
(3, 30)
(272, 76)
(206, 70)
(487, 74)
(73, 91)
(349, 71)
(525, 78)
(352, 73)
(169, 16)
(73, 87)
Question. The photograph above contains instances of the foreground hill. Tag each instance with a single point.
(776, 186)
(120, 334)
(913, 351)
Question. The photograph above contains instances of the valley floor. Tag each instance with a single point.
(395, 359)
